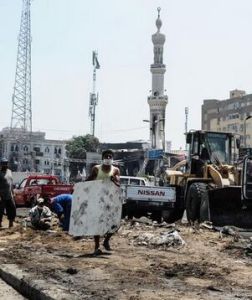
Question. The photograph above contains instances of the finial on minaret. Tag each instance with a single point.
(158, 21)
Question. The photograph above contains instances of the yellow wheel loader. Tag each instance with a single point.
(214, 186)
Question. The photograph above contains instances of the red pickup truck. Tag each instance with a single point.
(32, 187)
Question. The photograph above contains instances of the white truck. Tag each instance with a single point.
(140, 198)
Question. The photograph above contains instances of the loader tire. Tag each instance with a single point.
(194, 199)
(204, 208)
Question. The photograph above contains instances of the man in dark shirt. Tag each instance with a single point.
(61, 205)
(6, 196)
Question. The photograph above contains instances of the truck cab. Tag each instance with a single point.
(30, 188)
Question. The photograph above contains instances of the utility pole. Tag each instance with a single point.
(93, 96)
(186, 124)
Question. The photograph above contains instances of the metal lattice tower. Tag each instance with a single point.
(93, 96)
(21, 116)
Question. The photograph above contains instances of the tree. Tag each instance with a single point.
(77, 148)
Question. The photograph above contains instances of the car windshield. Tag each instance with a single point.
(219, 145)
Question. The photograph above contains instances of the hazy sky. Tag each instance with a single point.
(208, 52)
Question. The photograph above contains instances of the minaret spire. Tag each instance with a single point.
(158, 100)
(158, 21)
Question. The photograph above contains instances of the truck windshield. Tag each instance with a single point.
(219, 145)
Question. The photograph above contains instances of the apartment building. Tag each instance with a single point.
(230, 115)
(31, 151)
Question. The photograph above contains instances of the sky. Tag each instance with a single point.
(207, 54)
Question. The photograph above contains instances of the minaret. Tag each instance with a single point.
(157, 101)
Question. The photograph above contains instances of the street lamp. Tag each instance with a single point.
(244, 125)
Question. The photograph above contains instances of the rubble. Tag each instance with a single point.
(163, 267)
(165, 239)
(142, 220)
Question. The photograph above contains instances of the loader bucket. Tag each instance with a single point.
(225, 208)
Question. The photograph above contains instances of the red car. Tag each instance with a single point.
(33, 187)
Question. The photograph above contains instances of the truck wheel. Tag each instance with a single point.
(204, 208)
(193, 200)
(156, 216)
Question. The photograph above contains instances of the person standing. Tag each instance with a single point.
(6, 195)
(40, 215)
(105, 171)
(61, 205)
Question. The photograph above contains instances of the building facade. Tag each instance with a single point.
(157, 100)
(230, 115)
(33, 152)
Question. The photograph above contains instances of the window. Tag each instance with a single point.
(23, 183)
(25, 161)
(124, 180)
(47, 150)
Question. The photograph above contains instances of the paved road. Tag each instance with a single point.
(8, 293)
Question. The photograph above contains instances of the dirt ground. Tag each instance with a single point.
(208, 266)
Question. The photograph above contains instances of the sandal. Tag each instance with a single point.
(97, 252)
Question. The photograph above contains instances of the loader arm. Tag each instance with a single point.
(179, 165)
(216, 176)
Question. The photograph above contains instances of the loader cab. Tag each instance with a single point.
(208, 147)
(247, 179)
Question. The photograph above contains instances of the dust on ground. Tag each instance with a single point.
(208, 266)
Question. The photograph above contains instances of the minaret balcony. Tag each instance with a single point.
(164, 98)
(160, 66)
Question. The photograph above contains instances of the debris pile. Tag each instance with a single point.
(164, 239)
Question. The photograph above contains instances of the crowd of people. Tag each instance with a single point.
(40, 216)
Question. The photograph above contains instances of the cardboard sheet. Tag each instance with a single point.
(96, 208)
